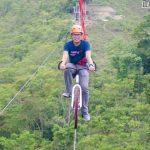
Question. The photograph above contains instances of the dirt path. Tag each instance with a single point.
(101, 13)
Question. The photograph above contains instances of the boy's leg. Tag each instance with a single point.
(68, 75)
(84, 80)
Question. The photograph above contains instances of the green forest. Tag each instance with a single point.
(32, 35)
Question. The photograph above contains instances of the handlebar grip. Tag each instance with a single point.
(59, 65)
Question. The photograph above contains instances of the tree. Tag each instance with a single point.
(142, 34)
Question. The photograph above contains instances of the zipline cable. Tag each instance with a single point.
(75, 139)
(26, 83)
(81, 19)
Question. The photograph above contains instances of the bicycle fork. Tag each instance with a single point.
(73, 94)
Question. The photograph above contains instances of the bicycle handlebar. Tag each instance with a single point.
(76, 68)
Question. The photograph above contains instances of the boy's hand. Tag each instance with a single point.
(62, 66)
(91, 67)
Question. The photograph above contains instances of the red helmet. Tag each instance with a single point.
(76, 29)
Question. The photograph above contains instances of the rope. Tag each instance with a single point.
(26, 83)
(70, 112)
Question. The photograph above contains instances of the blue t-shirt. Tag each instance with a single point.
(77, 53)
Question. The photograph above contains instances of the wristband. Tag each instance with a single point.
(91, 65)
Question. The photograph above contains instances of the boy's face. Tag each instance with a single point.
(76, 37)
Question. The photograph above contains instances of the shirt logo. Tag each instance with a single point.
(73, 53)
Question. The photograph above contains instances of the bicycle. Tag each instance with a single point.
(76, 98)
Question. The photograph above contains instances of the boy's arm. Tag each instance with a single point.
(64, 60)
(90, 61)
(88, 57)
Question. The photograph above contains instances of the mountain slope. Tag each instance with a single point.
(119, 93)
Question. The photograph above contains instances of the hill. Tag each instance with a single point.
(32, 34)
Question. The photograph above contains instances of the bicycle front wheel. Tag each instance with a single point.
(76, 104)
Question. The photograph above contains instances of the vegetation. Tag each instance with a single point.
(34, 31)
